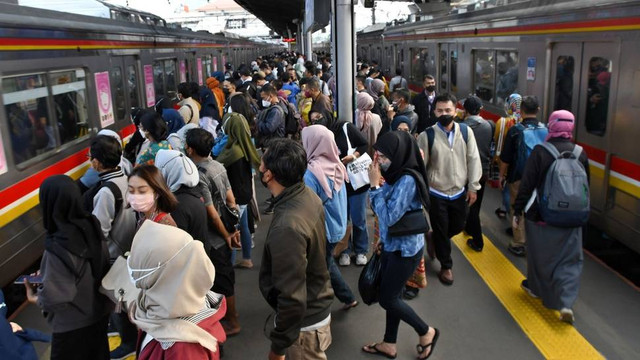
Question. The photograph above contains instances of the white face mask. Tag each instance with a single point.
(141, 202)
(142, 133)
(150, 271)
(266, 103)
(229, 110)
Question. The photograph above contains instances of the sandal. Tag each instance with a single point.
(350, 305)
(373, 349)
(432, 344)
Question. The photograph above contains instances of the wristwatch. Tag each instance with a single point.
(375, 188)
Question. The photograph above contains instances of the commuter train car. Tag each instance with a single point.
(575, 55)
(64, 77)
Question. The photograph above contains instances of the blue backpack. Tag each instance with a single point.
(530, 136)
(563, 198)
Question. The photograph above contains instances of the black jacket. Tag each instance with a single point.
(191, 214)
(425, 111)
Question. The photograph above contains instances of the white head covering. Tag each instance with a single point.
(178, 138)
(174, 275)
(111, 133)
(125, 164)
(177, 169)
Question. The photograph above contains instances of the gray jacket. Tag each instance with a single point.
(483, 131)
(118, 230)
(69, 298)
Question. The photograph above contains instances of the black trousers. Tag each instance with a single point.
(447, 219)
(128, 332)
(89, 342)
(473, 226)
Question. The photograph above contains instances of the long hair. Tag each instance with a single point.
(166, 201)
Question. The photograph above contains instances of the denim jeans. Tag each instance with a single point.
(396, 270)
(357, 211)
(245, 235)
(340, 287)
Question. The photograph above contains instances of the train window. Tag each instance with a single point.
(443, 70)
(419, 63)
(206, 66)
(158, 78)
(118, 85)
(507, 79)
(484, 84)
(69, 101)
(25, 103)
(564, 83)
(170, 78)
(453, 63)
(132, 86)
(598, 95)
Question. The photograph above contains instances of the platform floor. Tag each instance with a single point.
(473, 320)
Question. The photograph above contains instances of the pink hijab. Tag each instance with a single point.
(561, 125)
(323, 157)
(364, 103)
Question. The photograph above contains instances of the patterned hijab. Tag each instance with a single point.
(323, 157)
(512, 106)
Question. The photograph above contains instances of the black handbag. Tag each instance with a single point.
(230, 217)
(411, 223)
(369, 281)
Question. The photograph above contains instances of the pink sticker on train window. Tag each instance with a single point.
(183, 71)
(3, 158)
(148, 85)
(215, 63)
(199, 64)
(105, 106)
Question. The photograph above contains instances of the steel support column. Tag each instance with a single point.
(342, 13)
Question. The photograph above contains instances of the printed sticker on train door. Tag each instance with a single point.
(199, 64)
(105, 106)
(148, 86)
(215, 63)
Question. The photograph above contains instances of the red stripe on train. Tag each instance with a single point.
(24, 187)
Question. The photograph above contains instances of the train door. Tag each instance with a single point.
(447, 68)
(124, 82)
(583, 82)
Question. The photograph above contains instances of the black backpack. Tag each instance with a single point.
(291, 117)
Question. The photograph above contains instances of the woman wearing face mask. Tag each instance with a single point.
(155, 130)
(398, 160)
(381, 104)
(150, 197)
(137, 143)
(367, 122)
(75, 260)
(238, 156)
(178, 317)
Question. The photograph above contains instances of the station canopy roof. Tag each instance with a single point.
(276, 14)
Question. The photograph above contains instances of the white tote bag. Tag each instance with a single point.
(358, 169)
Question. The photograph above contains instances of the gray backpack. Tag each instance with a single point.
(563, 198)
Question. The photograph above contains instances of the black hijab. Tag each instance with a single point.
(69, 227)
(401, 148)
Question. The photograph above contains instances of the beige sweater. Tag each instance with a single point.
(450, 169)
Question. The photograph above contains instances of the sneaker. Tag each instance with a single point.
(472, 244)
(122, 352)
(345, 260)
(269, 210)
(517, 250)
(361, 259)
(566, 315)
(525, 286)
(410, 292)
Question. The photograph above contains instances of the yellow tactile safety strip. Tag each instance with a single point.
(114, 342)
(554, 339)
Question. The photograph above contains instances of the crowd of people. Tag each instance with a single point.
(164, 215)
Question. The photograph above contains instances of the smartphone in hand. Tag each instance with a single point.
(33, 279)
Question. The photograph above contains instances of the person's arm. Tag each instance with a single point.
(212, 213)
(288, 274)
(357, 140)
(423, 144)
(474, 167)
(270, 123)
(392, 209)
(531, 177)
(59, 284)
(104, 209)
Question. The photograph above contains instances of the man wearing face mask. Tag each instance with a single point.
(294, 279)
(400, 106)
(271, 120)
(454, 171)
(425, 104)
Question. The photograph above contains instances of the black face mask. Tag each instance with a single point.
(445, 120)
(430, 88)
(261, 177)
(226, 92)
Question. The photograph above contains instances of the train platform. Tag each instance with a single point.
(484, 315)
